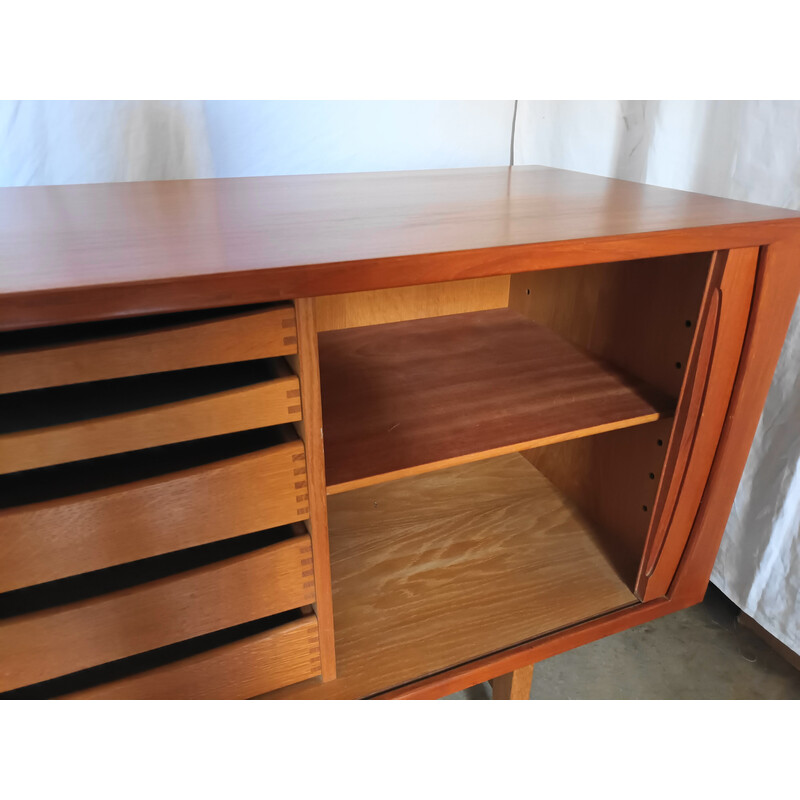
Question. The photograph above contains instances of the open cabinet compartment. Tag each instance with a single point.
(492, 469)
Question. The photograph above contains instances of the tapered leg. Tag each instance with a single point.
(514, 685)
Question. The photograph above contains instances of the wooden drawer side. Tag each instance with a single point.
(67, 536)
(268, 403)
(57, 641)
(261, 663)
(238, 337)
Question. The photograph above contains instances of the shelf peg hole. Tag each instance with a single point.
(660, 442)
(644, 508)
(527, 291)
(688, 323)
(652, 476)
(677, 365)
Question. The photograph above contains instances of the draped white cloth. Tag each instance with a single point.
(743, 150)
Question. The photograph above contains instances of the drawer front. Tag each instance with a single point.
(267, 403)
(57, 538)
(236, 337)
(262, 663)
(47, 644)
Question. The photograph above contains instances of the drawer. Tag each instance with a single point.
(57, 641)
(84, 531)
(101, 351)
(99, 419)
(262, 663)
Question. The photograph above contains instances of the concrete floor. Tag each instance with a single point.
(701, 653)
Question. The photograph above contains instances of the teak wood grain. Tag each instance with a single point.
(261, 663)
(306, 366)
(412, 396)
(75, 254)
(774, 298)
(150, 247)
(78, 533)
(237, 337)
(776, 290)
(57, 641)
(258, 405)
(434, 570)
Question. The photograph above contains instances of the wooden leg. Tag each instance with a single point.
(514, 685)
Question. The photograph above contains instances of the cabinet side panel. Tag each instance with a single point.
(639, 315)
(306, 364)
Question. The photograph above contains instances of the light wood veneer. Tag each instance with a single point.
(165, 346)
(53, 642)
(236, 671)
(81, 532)
(438, 569)
(97, 431)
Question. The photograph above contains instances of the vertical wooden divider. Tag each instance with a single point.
(306, 365)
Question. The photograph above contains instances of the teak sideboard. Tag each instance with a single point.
(369, 435)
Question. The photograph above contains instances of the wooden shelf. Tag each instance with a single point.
(409, 397)
(438, 569)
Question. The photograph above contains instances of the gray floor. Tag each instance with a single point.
(701, 653)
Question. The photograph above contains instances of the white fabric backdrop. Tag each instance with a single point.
(93, 142)
(744, 150)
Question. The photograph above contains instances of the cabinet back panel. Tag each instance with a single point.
(612, 478)
(357, 309)
(639, 315)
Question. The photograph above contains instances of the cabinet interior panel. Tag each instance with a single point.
(438, 569)
(639, 315)
(613, 478)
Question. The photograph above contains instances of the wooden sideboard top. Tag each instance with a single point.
(97, 251)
